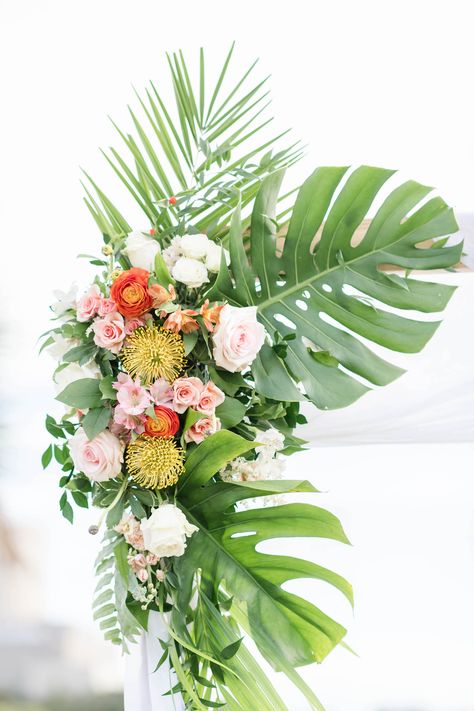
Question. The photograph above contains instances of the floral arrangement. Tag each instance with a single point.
(183, 366)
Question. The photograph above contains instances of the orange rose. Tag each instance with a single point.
(130, 292)
(164, 424)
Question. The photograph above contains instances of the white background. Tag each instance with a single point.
(376, 82)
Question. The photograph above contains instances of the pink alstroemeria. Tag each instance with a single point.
(133, 399)
(129, 422)
(161, 392)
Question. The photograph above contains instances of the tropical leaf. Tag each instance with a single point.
(288, 630)
(332, 294)
(204, 151)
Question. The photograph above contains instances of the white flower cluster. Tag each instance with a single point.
(266, 466)
(190, 257)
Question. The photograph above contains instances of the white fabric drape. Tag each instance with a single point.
(432, 402)
(144, 687)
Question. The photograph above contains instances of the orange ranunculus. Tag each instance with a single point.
(130, 292)
(164, 424)
(182, 320)
(210, 315)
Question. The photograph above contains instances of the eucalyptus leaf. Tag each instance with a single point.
(82, 394)
(95, 421)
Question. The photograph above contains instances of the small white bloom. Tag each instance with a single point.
(272, 441)
(214, 256)
(61, 346)
(65, 300)
(73, 372)
(190, 272)
(166, 530)
(195, 246)
(141, 249)
(172, 253)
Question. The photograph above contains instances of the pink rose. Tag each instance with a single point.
(132, 398)
(109, 332)
(211, 397)
(88, 305)
(186, 393)
(161, 392)
(107, 306)
(202, 429)
(237, 338)
(133, 323)
(100, 458)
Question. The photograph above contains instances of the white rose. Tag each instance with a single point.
(194, 246)
(100, 458)
(237, 338)
(73, 372)
(141, 249)
(165, 532)
(190, 272)
(214, 256)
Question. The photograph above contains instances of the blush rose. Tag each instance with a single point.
(237, 338)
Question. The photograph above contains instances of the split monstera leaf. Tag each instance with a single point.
(330, 294)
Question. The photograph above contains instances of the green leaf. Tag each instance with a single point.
(115, 514)
(162, 272)
(230, 383)
(192, 416)
(82, 394)
(190, 340)
(80, 499)
(47, 456)
(96, 421)
(67, 511)
(81, 354)
(105, 386)
(287, 629)
(121, 559)
(231, 412)
(211, 455)
(312, 290)
(231, 649)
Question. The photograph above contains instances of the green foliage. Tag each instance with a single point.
(323, 295)
(204, 150)
(82, 394)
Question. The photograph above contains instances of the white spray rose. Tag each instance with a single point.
(99, 459)
(190, 272)
(194, 246)
(237, 338)
(141, 249)
(73, 372)
(166, 530)
(214, 256)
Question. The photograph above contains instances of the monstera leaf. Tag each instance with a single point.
(330, 295)
(288, 630)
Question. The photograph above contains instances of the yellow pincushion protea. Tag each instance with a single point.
(154, 462)
(153, 352)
